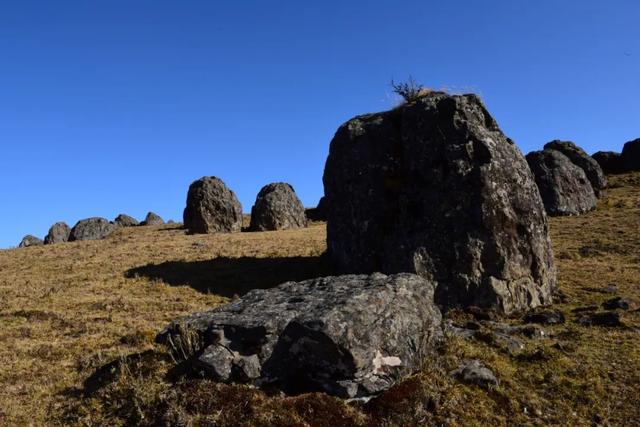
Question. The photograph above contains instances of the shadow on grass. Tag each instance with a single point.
(229, 277)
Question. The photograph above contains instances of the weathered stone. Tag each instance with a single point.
(58, 233)
(608, 318)
(152, 219)
(30, 240)
(212, 207)
(580, 158)
(631, 155)
(610, 161)
(319, 213)
(617, 303)
(474, 372)
(91, 229)
(546, 317)
(350, 336)
(564, 187)
(435, 187)
(123, 220)
(277, 208)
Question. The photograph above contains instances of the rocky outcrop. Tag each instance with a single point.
(91, 229)
(319, 213)
(123, 220)
(30, 240)
(152, 219)
(58, 233)
(563, 185)
(610, 161)
(580, 158)
(277, 207)
(212, 207)
(435, 187)
(631, 155)
(349, 336)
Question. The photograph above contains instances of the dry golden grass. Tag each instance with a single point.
(69, 309)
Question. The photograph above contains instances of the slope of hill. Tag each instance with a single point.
(79, 320)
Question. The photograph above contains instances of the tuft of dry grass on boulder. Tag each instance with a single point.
(79, 321)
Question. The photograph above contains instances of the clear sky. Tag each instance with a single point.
(110, 106)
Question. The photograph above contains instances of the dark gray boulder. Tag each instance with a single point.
(152, 219)
(349, 336)
(212, 207)
(91, 229)
(319, 213)
(631, 155)
(435, 187)
(610, 161)
(58, 233)
(123, 220)
(563, 185)
(277, 207)
(30, 240)
(580, 158)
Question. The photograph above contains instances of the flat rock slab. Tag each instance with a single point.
(349, 336)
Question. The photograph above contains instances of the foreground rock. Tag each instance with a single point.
(30, 240)
(277, 207)
(580, 158)
(435, 187)
(610, 161)
(58, 233)
(91, 229)
(212, 207)
(631, 155)
(349, 336)
(152, 219)
(564, 187)
(123, 220)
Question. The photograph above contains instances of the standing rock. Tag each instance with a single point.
(212, 207)
(435, 187)
(631, 155)
(609, 161)
(30, 240)
(350, 336)
(91, 229)
(277, 208)
(564, 187)
(58, 233)
(580, 158)
(123, 220)
(152, 219)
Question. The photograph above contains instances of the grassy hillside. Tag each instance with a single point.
(68, 310)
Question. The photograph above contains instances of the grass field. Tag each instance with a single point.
(70, 309)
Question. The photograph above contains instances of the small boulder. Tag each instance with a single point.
(580, 158)
(607, 318)
(610, 161)
(91, 229)
(348, 336)
(277, 208)
(30, 240)
(152, 219)
(58, 233)
(212, 207)
(564, 187)
(617, 303)
(123, 220)
(546, 317)
(474, 372)
(631, 155)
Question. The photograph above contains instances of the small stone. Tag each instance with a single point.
(547, 317)
(474, 372)
(609, 318)
(616, 303)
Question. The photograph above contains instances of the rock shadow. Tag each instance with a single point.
(231, 277)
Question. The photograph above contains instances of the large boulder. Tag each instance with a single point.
(152, 219)
(610, 161)
(350, 336)
(91, 229)
(30, 240)
(123, 220)
(631, 155)
(580, 158)
(58, 233)
(212, 207)
(563, 185)
(277, 208)
(435, 187)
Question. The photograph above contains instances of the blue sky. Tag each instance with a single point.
(116, 106)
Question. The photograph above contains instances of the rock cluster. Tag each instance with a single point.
(91, 229)
(212, 207)
(277, 207)
(58, 233)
